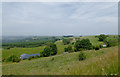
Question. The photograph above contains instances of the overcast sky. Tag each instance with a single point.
(47, 18)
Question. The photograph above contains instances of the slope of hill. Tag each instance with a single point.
(101, 62)
(19, 50)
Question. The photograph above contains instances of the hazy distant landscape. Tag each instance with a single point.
(59, 38)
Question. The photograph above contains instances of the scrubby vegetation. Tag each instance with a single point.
(102, 37)
(66, 41)
(12, 58)
(31, 57)
(97, 47)
(68, 49)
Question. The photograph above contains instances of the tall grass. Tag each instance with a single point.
(0, 62)
(106, 64)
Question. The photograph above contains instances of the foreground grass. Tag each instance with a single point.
(101, 62)
(0, 62)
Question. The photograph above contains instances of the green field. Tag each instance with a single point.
(93, 40)
(100, 62)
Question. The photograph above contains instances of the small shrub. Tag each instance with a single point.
(16, 60)
(73, 43)
(41, 54)
(30, 57)
(82, 56)
(100, 46)
(36, 56)
(75, 50)
(68, 49)
(3, 60)
(93, 47)
(11, 58)
(52, 59)
(97, 48)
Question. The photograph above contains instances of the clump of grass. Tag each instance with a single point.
(52, 59)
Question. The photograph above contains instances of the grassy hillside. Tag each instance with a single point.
(18, 51)
(93, 40)
(101, 62)
(0, 62)
(60, 47)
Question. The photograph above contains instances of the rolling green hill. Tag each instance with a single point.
(101, 62)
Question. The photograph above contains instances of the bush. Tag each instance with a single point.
(16, 60)
(100, 46)
(53, 48)
(102, 37)
(66, 41)
(68, 49)
(109, 44)
(41, 54)
(73, 43)
(30, 57)
(83, 44)
(11, 58)
(50, 49)
(52, 59)
(3, 60)
(46, 51)
(97, 48)
(82, 56)
(36, 56)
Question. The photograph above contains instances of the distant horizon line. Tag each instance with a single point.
(58, 35)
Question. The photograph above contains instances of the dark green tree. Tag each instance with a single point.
(68, 49)
(50, 49)
(53, 48)
(82, 44)
(46, 51)
(102, 37)
(66, 41)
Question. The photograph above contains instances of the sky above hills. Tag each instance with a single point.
(59, 18)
